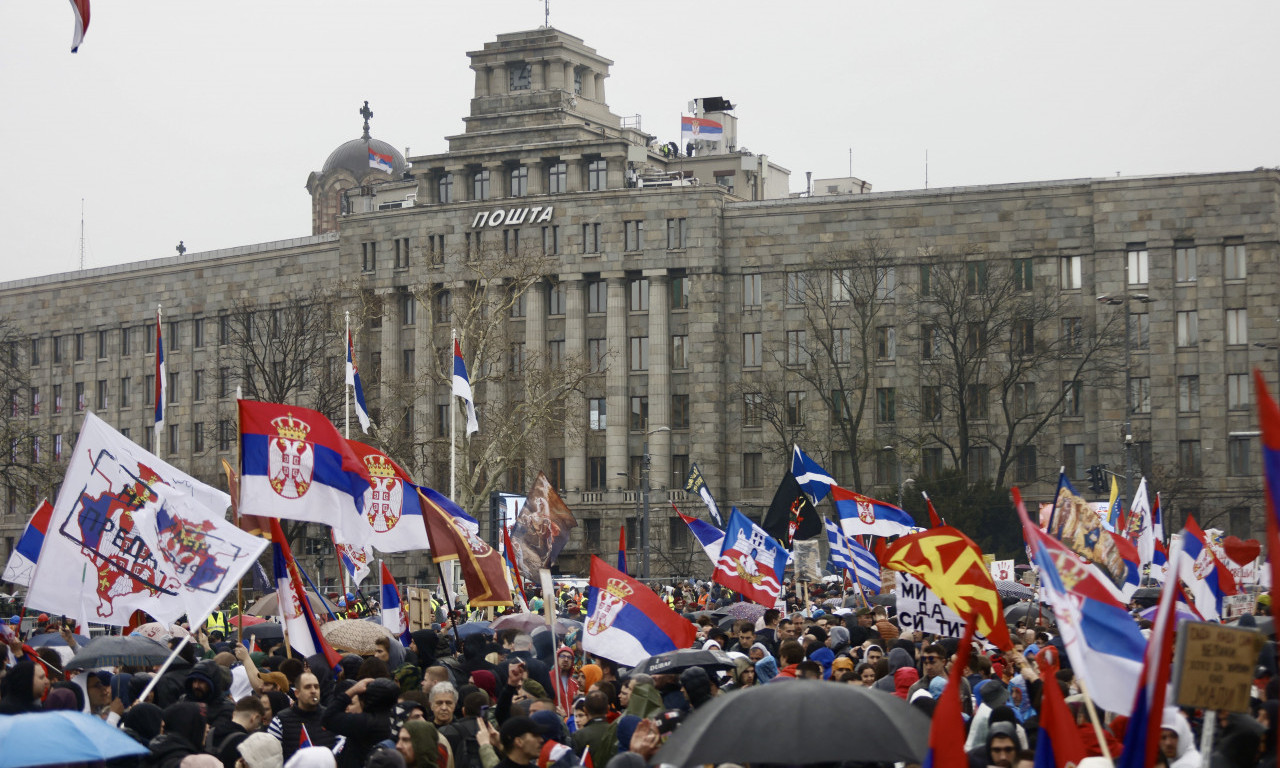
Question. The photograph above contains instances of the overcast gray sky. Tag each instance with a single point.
(200, 122)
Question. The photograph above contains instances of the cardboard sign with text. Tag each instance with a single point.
(1213, 666)
(919, 608)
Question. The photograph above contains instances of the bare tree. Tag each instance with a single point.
(26, 458)
(984, 332)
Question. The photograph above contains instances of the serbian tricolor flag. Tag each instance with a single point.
(80, 9)
(1269, 419)
(1208, 580)
(1059, 744)
(394, 618)
(295, 465)
(751, 562)
(161, 376)
(391, 505)
(22, 561)
(304, 739)
(946, 734)
(700, 129)
(626, 621)
(622, 549)
(709, 537)
(455, 535)
(295, 610)
(862, 515)
(353, 380)
(462, 388)
(380, 160)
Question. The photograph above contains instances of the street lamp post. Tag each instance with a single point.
(1115, 301)
(902, 486)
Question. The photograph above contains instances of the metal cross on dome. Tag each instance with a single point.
(366, 113)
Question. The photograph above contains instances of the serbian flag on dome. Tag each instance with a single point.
(951, 565)
(626, 621)
(860, 515)
(391, 506)
(80, 9)
(1269, 419)
(295, 465)
(381, 161)
(751, 561)
(700, 129)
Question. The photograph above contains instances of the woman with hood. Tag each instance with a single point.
(182, 734)
(1176, 740)
(898, 658)
(23, 688)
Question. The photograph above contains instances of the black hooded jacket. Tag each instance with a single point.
(184, 728)
(16, 695)
(363, 729)
(217, 705)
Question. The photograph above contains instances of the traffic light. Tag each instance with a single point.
(1096, 484)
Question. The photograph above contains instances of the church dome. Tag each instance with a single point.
(353, 157)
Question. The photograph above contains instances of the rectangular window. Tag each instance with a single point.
(840, 411)
(57, 444)
(752, 351)
(975, 277)
(797, 287)
(598, 412)
(555, 473)
(79, 347)
(1139, 331)
(1022, 269)
(797, 351)
(408, 309)
(930, 342)
(480, 185)
(1140, 395)
(841, 345)
(1234, 259)
(59, 348)
(597, 297)
(1023, 396)
(173, 341)
(57, 398)
(752, 409)
(590, 526)
(1073, 460)
(224, 382)
(633, 235)
(149, 389)
(175, 435)
(931, 403)
(795, 408)
(173, 387)
(752, 473)
(1238, 389)
(931, 463)
(1070, 272)
(197, 437)
(1184, 263)
(887, 469)
(103, 338)
(1237, 326)
(590, 238)
(886, 342)
(725, 179)
(597, 175)
(678, 533)
(639, 413)
(80, 402)
(444, 187)
(555, 353)
(126, 396)
(1239, 523)
(520, 181)
(1188, 329)
(679, 292)
(35, 401)
(442, 307)
(1189, 394)
(1189, 457)
(1024, 337)
(197, 385)
(639, 293)
(979, 464)
(1024, 468)
(556, 300)
(639, 353)
(751, 293)
(975, 398)
(35, 352)
(1137, 258)
(975, 339)
(224, 330)
(557, 178)
(551, 239)
(597, 354)
(679, 353)
(677, 234)
(368, 256)
(519, 305)
(926, 280)
(1238, 464)
(841, 285)
(226, 430)
(679, 411)
(596, 477)
(516, 359)
(886, 283)
(886, 405)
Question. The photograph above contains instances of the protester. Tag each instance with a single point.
(287, 725)
(23, 688)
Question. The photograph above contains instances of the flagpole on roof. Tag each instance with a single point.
(160, 385)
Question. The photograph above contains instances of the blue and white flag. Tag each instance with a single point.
(462, 388)
(394, 618)
(695, 483)
(353, 380)
(848, 554)
(709, 537)
(1208, 581)
(162, 375)
(813, 479)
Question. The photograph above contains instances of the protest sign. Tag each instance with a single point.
(1213, 666)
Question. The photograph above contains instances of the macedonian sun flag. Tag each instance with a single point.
(950, 563)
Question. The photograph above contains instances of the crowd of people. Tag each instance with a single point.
(465, 697)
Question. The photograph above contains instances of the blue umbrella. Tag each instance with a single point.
(47, 738)
(52, 639)
(474, 628)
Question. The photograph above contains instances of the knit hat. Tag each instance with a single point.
(380, 694)
(535, 688)
(261, 750)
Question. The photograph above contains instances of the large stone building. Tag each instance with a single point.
(716, 318)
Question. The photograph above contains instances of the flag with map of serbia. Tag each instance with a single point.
(128, 531)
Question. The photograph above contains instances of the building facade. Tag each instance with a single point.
(714, 317)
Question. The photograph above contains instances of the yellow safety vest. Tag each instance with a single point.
(217, 621)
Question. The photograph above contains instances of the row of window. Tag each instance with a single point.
(125, 392)
(224, 435)
(1239, 388)
(1186, 262)
(556, 178)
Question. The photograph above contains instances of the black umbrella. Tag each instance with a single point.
(1029, 612)
(790, 723)
(676, 661)
(886, 599)
(118, 651)
(267, 630)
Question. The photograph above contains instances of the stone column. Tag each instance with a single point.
(615, 177)
(498, 186)
(659, 380)
(615, 382)
(424, 391)
(389, 376)
(573, 173)
(575, 348)
(482, 81)
(538, 75)
(599, 83)
(535, 349)
(568, 76)
(461, 182)
(588, 85)
(555, 73)
(537, 174)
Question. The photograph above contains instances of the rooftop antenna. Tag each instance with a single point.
(851, 161)
(546, 9)
(926, 169)
(82, 234)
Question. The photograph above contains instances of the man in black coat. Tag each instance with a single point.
(287, 725)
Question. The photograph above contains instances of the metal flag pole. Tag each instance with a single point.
(159, 388)
(346, 388)
(453, 421)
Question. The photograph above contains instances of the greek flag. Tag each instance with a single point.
(849, 555)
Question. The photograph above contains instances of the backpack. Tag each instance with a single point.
(466, 749)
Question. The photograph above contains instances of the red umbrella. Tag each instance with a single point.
(249, 621)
